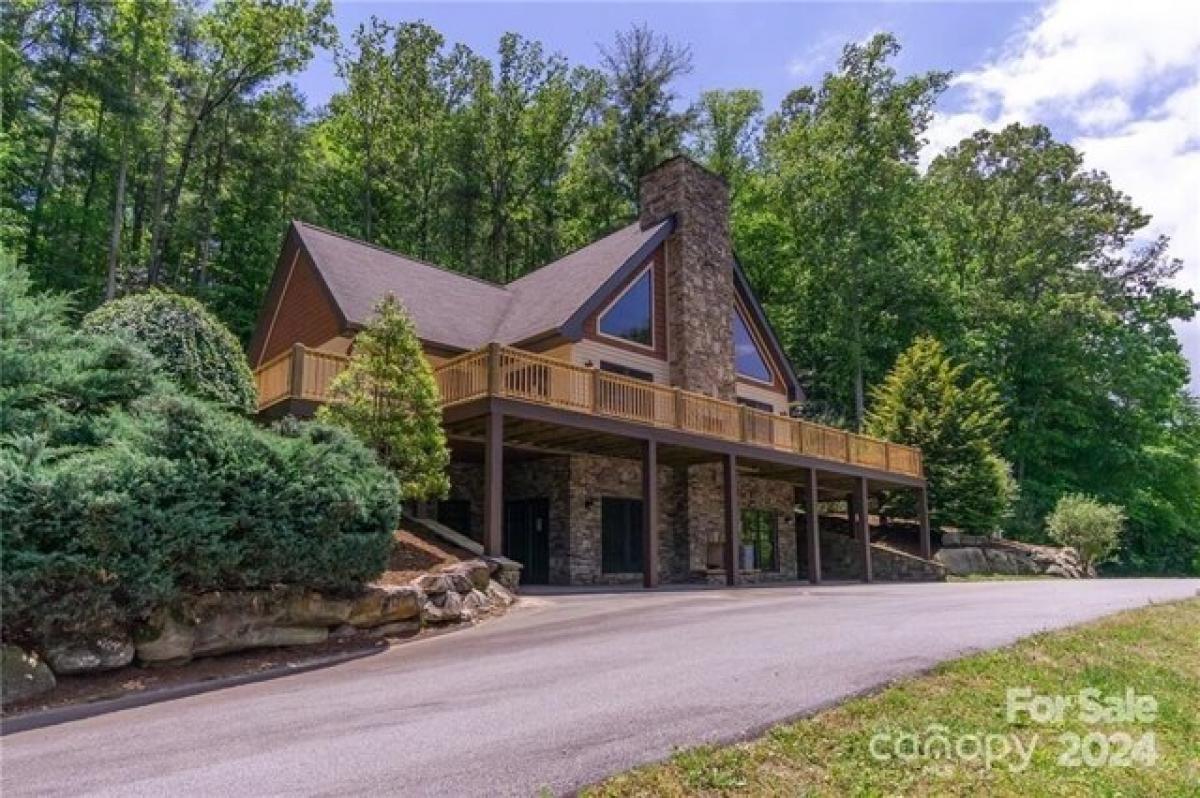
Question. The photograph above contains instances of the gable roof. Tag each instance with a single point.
(462, 312)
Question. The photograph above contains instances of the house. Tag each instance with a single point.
(620, 415)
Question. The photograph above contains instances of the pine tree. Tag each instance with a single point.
(388, 398)
(925, 401)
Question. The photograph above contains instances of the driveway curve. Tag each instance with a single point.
(559, 693)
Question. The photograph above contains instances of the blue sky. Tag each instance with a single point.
(1119, 79)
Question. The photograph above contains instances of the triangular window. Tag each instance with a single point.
(747, 357)
(631, 316)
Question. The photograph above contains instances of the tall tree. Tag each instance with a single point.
(837, 189)
(725, 139)
(642, 68)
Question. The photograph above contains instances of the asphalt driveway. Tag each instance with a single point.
(555, 695)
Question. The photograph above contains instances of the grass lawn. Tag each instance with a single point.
(1153, 651)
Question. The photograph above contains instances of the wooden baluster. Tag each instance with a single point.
(680, 409)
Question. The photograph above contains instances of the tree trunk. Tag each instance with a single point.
(64, 85)
(160, 179)
(118, 213)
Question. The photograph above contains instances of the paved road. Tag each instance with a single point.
(555, 695)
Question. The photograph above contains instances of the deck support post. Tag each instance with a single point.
(493, 485)
(923, 517)
(649, 513)
(297, 375)
(812, 527)
(862, 524)
(733, 520)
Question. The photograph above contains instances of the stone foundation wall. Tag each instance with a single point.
(840, 559)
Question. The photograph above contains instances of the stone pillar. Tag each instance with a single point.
(699, 259)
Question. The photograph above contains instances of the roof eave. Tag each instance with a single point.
(572, 328)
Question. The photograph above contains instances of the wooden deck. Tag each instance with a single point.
(512, 374)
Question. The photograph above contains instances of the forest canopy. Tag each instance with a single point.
(161, 143)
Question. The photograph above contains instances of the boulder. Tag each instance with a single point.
(381, 604)
(23, 675)
(460, 582)
(474, 604)
(499, 595)
(75, 655)
(505, 571)
(165, 639)
(964, 561)
(310, 608)
(433, 584)
(343, 632)
(397, 629)
(478, 571)
(232, 632)
(442, 607)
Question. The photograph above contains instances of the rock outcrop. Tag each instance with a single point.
(964, 555)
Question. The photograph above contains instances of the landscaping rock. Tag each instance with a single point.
(397, 629)
(499, 595)
(343, 632)
(310, 608)
(165, 640)
(474, 604)
(433, 584)
(478, 571)
(442, 607)
(231, 632)
(460, 582)
(89, 655)
(505, 571)
(381, 604)
(23, 675)
(963, 562)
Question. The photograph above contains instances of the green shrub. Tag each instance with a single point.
(119, 493)
(185, 498)
(1089, 526)
(193, 347)
(388, 398)
(927, 401)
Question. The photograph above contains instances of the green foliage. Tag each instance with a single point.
(388, 398)
(827, 222)
(193, 348)
(1090, 527)
(118, 493)
(926, 401)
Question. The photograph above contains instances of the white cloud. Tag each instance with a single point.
(1121, 81)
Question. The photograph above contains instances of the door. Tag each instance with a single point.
(527, 538)
(620, 535)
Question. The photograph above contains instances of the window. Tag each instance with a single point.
(755, 404)
(626, 371)
(760, 533)
(631, 315)
(747, 358)
(620, 535)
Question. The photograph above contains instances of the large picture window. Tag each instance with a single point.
(760, 532)
(631, 316)
(747, 357)
(620, 535)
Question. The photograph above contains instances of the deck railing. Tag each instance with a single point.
(515, 374)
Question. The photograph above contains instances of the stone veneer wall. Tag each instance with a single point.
(691, 513)
(706, 516)
(700, 291)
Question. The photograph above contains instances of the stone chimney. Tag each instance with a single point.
(699, 255)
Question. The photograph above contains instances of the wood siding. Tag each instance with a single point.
(297, 310)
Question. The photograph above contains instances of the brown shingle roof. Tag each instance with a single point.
(463, 312)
